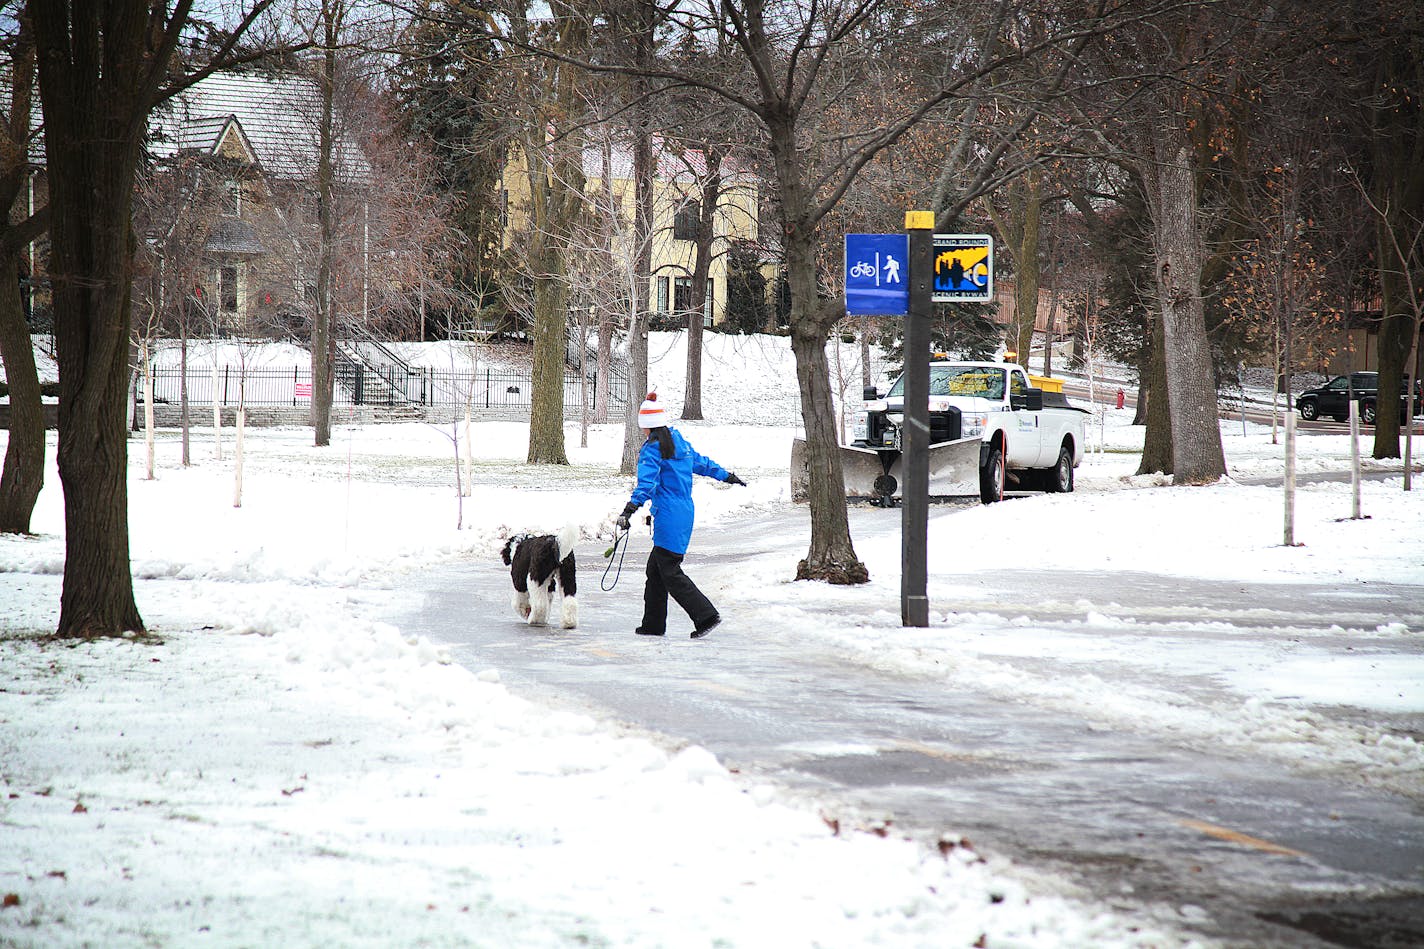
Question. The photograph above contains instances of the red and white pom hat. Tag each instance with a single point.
(651, 414)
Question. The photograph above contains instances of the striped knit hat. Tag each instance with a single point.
(651, 414)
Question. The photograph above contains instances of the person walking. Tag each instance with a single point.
(666, 464)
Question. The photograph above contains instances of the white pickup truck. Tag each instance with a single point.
(992, 430)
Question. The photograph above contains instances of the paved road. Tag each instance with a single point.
(1240, 850)
(1106, 394)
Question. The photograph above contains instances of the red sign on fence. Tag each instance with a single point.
(303, 390)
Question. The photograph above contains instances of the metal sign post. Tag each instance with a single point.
(915, 459)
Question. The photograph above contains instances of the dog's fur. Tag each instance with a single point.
(541, 565)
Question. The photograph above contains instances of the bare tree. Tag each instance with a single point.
(176, 205)
(23, 475)
(603, 259)
(705, 201)
(635, 24)
(102, 68)
(1020, 226)
(550, 144)
(1396, 195)
(713, 183)
(1161, 77)
(796, 63)
(1402, 244)
(326, 35)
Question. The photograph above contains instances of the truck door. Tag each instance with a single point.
(1024, 433)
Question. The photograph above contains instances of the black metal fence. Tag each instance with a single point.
(413, 387)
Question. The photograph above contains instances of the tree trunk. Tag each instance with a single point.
(91, 335)
(556, 205)
(866, 380)
(1152, 405)
(1396, 193)
(1145, 371)
(1396, 336)
(546, 415)
(238, 454)
(831, 556)
(603, 326)
(1191, 393)
(706, 234)
(94, 118)
(145, 378)
(1026, 276)
(605, 364)
(23, 475)
(641, 122)
(323, 338)
(24, 466)
(183, 389)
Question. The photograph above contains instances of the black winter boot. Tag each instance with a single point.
(706, 627)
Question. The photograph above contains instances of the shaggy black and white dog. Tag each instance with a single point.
(542, 565)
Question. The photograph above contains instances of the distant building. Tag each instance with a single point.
(677, 186)
(235, 157)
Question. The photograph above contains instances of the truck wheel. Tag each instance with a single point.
(1059, 478)
(991, 476)
(1308, 410)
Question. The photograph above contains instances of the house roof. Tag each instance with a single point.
(234, 236)
(204, 134)
(278, 115)
(685, 166)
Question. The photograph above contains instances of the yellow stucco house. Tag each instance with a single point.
(606, 232)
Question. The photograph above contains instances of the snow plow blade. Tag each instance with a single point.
(954, 471)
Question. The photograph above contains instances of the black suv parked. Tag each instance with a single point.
(1333, 398)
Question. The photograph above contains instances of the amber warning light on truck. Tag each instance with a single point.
(963, 268)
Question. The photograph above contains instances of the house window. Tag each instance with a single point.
(232, 197)
(227, 288)
(682, 295)
(685, 221)
(662, 294)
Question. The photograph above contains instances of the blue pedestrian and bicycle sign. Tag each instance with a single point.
(877, 274)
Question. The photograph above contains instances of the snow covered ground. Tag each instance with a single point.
(275, 765)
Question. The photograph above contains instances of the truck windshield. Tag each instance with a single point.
(982, 382)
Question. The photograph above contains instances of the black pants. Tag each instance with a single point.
(665, 578)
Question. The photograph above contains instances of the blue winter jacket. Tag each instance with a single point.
(667, 482)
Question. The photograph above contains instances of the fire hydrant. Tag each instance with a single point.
(1121, 398)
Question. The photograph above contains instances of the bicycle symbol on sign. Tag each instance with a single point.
(863, 269)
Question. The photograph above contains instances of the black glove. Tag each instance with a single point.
(733, 479)
(628, 510)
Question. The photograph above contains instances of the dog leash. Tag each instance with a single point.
(620, 539)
